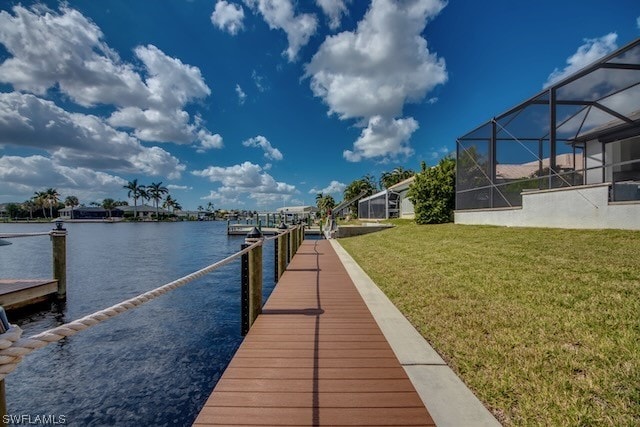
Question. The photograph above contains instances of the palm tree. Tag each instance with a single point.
(71, 201)
(135, 192)
(108, 205)
(155, 192)
(387, 179)
(39, 199)
(29, 205)
(169, 203)
(53, 197)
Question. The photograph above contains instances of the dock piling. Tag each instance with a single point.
(252, 281)
(59, 249)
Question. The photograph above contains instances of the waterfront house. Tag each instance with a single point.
(568, 157)
(83, 212)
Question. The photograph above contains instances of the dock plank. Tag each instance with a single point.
(315, 356)
(17, 293)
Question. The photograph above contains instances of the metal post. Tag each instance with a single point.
(59, 249)
(552, 135)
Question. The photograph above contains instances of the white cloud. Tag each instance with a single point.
(334, 9)
(258, 80)
(208, 141)
(587, 53)
(280, 15)
(383, 138)
(260, 141)
(242, 97)
(245, 178)
(333, 187)
(440, 152)
(228, 17)
(75, 139)
(22, 176)
(179, 187)
(370, 73)
(66, 50)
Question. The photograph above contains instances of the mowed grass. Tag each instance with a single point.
(542, 324)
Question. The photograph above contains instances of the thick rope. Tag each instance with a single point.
(280, 233)
(13, 349)
(14, 235)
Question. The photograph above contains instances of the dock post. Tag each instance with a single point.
(255, 275)
(281, 251)
(59, 248)
(290, 251)
(244, 291)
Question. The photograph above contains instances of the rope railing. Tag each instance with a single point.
(13, 348)
(16, 235)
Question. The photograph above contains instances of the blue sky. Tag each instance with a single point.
(256, 104)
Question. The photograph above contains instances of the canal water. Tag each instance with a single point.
(154, 365)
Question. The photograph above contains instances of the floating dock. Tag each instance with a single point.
(315, 356)
(19, 293)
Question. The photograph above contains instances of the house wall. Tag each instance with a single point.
(406, 207)
(584, 207)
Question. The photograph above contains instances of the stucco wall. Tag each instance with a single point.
(576, 207)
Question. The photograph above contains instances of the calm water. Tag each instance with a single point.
(154, 365)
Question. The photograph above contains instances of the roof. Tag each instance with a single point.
(141, 208)
(588, 103)
(529, 169)
(402, 185)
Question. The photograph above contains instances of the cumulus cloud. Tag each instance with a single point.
(228, 17)
(334, 9)
(260, 141)
(76, 139)
(245, 178)
(66, 50)
(383, 138)
(21, 176)
(258, 80)
(590, 51)
(333, 187)
(280, 15)
(370, 73)
(440, 152)
(242, 97)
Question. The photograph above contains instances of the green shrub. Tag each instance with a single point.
(433, 193)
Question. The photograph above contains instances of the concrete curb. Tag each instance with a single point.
(447, 398)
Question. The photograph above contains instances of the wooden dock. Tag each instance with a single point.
(18, 293)
(243, 229)
(315, 356)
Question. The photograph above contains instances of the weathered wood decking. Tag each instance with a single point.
(315, 356)
(18, 293)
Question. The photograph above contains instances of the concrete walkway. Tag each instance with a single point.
(447, 398)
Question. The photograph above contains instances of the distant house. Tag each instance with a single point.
(142, 211)
(298, 212)
(568, 157)
(390, 203)
(82, 212)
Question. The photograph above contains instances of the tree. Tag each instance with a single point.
(40, 201)
(13, 210)
(387, 179)
(135, 192)
(29, 205)
(155, 192)
(71, 201)
(433, 192)
(353, 190)
(52, 197)
(108, 205)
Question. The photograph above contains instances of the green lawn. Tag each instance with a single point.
(542, 324)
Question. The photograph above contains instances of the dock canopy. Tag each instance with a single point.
(582, 129)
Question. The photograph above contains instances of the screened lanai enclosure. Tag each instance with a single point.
(382, 205)
(583, 129)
